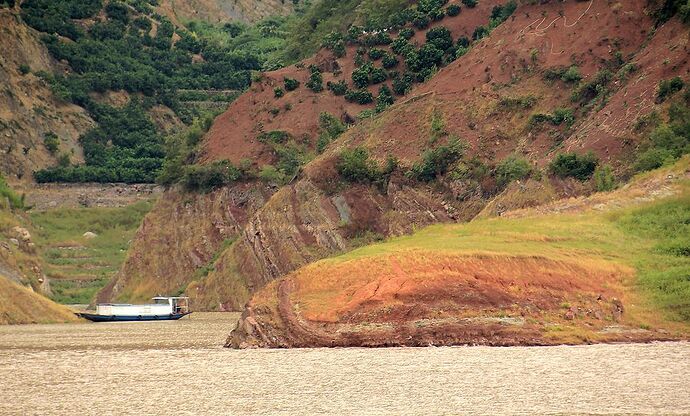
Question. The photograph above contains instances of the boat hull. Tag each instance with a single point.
(131, 318)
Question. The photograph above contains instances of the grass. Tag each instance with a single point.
(78, 267)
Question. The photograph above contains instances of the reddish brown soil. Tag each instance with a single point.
(420, 299)
(234, 134)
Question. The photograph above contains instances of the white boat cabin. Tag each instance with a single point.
(161, 306)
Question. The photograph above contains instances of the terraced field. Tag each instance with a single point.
(77, 263)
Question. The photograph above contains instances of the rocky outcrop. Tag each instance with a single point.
(301, 223)
(29, 112)
(179, 237)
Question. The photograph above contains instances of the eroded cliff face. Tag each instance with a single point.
(302, 223)
(178, 239)
(29, 112)
(216, 11)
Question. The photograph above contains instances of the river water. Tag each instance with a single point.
(180, 368)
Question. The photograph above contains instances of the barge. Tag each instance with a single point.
(163, 308)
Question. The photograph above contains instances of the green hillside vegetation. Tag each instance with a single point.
(126, 46)
(77, 266)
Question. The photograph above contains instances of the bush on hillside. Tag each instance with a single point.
(355, 165)
(440, 37)
(604, 180)
(573, 165)
(338, 88)
(210, 176)
(290, 84)
(278, 92)
(668, 87)
(512, 168)
(384, 99)
(453, 10)
(389, 60)
(436, 162)
(361, 96)
(470, 3)
(406, 33)
(315, 82)
(330, 128)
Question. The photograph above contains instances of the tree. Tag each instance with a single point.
(573, 165)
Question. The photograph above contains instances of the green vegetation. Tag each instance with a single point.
(52, 142)
(559, 116)
(114, 50)
(573, 165)
(315, 82)
(512, 168)
(330, 128)
(436, 162)
(209, 176)
(355, 165)
(518, 103)
(663, 267)
(566, 74)
(668, 141)
(668, 87)
(79, 267)
(359, 96)
(291, 84)
(604, 180)
(9, 197)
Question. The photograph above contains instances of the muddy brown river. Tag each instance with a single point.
(180, 368)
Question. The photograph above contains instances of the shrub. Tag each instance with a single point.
(315, 82)
(330, 128)
(668, 87)
(290, 84)
(407, 33)
(384, 99)
(270, 174)
(354, 165)
(52, 142)
(512, 168)
(274, 137)
(440, 37)
(480, 32)
(453, 10)
(211, 176)
(6, 192)
(563, 115)
(595, 88)
(389, 60)
(572, 74)
(361, 96)
(652, 159)
(580, 167)
(338, 88)
(470, 3)
(361, 76)
(378, 75)
(376, 54)
(513, 103)
(278, 92)
(421, 21)
(436, 162)
(401, 46)
(24, 69)
(403, 83)
(604, 180)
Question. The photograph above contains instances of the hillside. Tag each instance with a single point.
(35, 126)
(594, 275)
(536, 89)
(23, 283)
(217, 11)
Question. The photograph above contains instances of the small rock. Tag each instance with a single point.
(22, 233)
(14, 241)
(89, 235)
